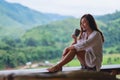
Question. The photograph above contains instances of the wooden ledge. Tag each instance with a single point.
(65, 75)
(68, 73)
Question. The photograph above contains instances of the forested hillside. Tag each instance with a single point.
(15, 19)
(46, 42)
(110, 25)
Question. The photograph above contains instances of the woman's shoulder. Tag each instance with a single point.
(96, 32)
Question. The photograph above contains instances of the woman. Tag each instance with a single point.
(87, 48)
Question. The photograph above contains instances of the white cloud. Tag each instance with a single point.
(72, 7)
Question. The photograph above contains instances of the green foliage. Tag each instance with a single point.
(45, 42)
(111, 59)
(108, 59)
(110, 26)
(15, 19)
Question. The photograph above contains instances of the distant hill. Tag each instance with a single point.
(109, 17)
(110, 25)
(27, 35)
(17, 18)
(60, 32)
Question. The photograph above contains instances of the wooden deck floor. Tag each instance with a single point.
(68, 73)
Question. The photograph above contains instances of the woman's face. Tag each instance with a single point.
(84, 24)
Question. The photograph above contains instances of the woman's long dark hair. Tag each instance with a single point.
(92, 24)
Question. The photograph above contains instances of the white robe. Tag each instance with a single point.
(93, 47)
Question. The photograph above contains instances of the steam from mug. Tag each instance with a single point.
(76, 32)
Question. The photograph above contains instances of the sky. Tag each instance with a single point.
(74, 8)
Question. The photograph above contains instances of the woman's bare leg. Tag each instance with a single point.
(67, 58)
(66, 50)
(81, 57)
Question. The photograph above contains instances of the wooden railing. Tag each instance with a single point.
(68, 73)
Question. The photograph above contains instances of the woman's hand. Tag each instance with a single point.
(75, 39)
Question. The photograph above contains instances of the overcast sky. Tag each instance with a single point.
(72, 7)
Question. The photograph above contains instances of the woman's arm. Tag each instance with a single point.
(92, 40)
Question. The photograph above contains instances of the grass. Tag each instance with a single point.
(111, 59)
(107, 60)
(74, 62)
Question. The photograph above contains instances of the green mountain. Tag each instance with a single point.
(109, 17)
(15, 18)
(110, 25)
(44, 36)
(60, 32)
(47, 41)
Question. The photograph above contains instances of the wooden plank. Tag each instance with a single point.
(68, 73)
(65, 75)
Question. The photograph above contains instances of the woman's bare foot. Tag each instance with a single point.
(55, 68)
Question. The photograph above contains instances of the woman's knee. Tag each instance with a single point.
(65, 51)
(73, 51)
